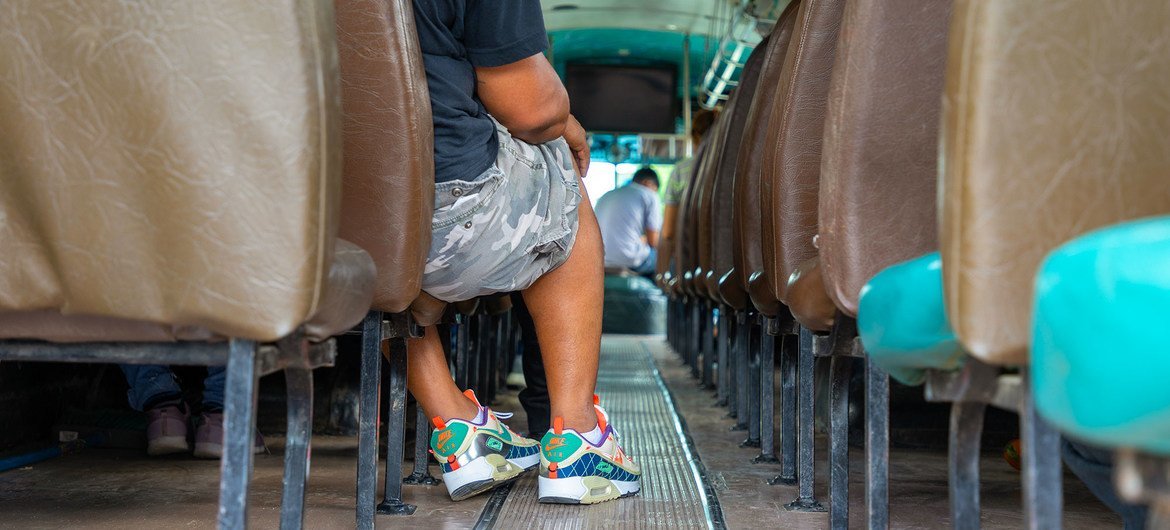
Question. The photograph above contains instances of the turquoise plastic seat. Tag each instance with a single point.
(1101, 337)
(633, 304)
(903, 323)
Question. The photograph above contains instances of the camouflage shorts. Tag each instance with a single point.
(511, 225)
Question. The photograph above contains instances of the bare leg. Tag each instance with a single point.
(429, 379)
(566, 307)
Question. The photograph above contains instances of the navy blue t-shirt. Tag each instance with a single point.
(456, 36)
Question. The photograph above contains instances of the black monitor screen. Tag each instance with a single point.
(623, 99)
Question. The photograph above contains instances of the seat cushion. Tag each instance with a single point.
(346, 299)
(902, 323)
(633, 305)
(1100, 346)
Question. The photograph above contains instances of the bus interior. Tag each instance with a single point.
(900, 284)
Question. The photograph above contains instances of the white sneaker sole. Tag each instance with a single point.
(210, 450)
(584, 490)
(167, 445)
(485, 473)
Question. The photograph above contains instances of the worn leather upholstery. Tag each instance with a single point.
(701, 220)
(808, 300)
(685, 251)
(746, 222)
(791, 168)
(176, 164)
(1054, 123)
(878, 191)
(698, 223)
(347, 294)
(719, 220)
(389, 176)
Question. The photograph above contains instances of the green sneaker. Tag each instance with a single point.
(478, 457)
(575, 471)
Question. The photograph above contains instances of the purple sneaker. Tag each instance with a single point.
(209, 437)
(166, 430)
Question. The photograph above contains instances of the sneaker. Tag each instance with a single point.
(574, 470)
(166, 430)
(478, 457)
(209, 437)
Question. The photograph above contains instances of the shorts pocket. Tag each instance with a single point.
(459, 200)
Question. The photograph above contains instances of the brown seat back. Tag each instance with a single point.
(879, 170)
(389, 174)
(701, 221)
(719, 220)
(747, 249)
(1054, 123)
(169, 163)
(791, 168)
(688, 251)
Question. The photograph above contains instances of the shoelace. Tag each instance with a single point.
(503, 415)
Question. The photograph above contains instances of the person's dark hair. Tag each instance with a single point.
(646, 176)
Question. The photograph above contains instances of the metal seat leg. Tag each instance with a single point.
(703, 321)
(709, 351)
(733, 366)
(297, 447)
(1041, 476)
(767, 382)
(721, 373)
(842, 372)
(368, 419)
(421, 475)
(395, 431)
(966, 429)
(462, 350)
(789, 351)
(743, 395)
(877, 446)
(753, 384)
(239, 414)
(805, 500)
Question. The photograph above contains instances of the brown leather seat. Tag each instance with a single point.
(716, 231)
(700, 209)
(791, 169)
(389, 177)
(747, 249)
(878, 191)
(685, 250)
(1054, 123)
(176, 174)
(701, 216)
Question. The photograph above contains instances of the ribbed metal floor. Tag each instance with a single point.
(673, 493)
